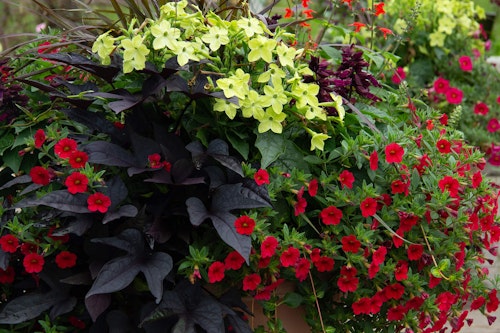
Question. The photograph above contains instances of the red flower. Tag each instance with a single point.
(493, 302)
(445, 300)
(312, 188)
(374, 160)
(76, 183)
(348, 2)
(350, 244)
(39, 138)
(378, 256)
(33, 263)
(77, 159)
(98, 202)
(398, 76)
(308, 13)
(39, 175)
(481, 108)
(28, 248)
(251, 282)
(368, 207)
(394, 153)
(288, 12)
(477, 179)
(379, 9)
(76, 323)
(493, 125)
(63, 238)
(401, 270)
(346, 179)
(261, 177)
(443, 119)
(407, 221)
(166, 165)
(301, 204)
(396, 313)
(324, 264)
(433, 281)
(362, 306)
(465, 63)
(216, 272)
(302, 268)
(7, 276)
(9, 243)
(477, 303)
(454, 95)
(385, 31)
(398, 186)
(415, 251)
(449, 184)
(65, 259)
(234, 261)
(444, 146)
(289, 257)
(358, 26)
(348, 280)
(441, 85)
(305, 3)
(268, 247)
(65, 147)
(155, 161)
(394, 291)
(331, 215)
(244, 225)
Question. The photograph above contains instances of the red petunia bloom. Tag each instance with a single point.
(443, 119)
(261, 177)
(98, 202)
(216, 272)
(373, 269)
(368, 207)
(33, 263)
(481, 108)
(301, 204)
(477, 303)
(444, 146)
(465, 63)
(394, 153)
(7, 275)
(348, 280)
(477, 179)
(357, 26)
(449, 184)
(454, 95)
(399, 186)
(28, 248)
(378, 256)
(362, 306)
(312, 188)
(154, 161)
(244, 225)
(308, 13)
(441, 85)
(346, 179)
(9, 243)
(493, 302)
(331, 215)
(493, 125)
(415, 251)
(407, 221)
(268, 247)
(288, 12)
(77, 159)
(305, 3)
(445, 300)
(65, 147)
(350, 244)
(251, 282)
(289, 257)
(39, 175)
(374, 160)
(65, 259)
(324, 264)
(234, 260)
(394, 291)
(302, 268)
(396, 313)
(76, 323)
(401, 270)
(76, 183)
(379, 9)
(39, 138)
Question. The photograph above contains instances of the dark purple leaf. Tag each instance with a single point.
(97, 304)
(17, 180)
(137, 170)
(159, 177)
(197, 211)
(62, 200)
(153, 85)
(77, 227)
(208, 315)
(76, 89)
(177, 83)
(107, 153)
(27, 307)
(118, 322)
(235, 196)
(218, 147)
(181, 169)
(63, 307)
(115, 275)
(129, 240)
(123, 211)
(229, 162)
(155, 269)
(123, 104)
(116, 191)
(224, 224)
(30, 188)
(143, 147)
(238, 324)
(4, 259)
(82, 278)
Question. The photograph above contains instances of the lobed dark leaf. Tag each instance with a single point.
(62, 200)
(107, 153)
(238, 324)
(63, 307)
(123, 211)
(181, 170)
(78, 227)
(17, 180)
(156, 269)
(224, 224)
(197, 211)
(97, 304)
(27, 307)
(234, 196)
(116, 191)
(129, 240)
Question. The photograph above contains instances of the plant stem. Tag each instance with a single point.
(317, 303)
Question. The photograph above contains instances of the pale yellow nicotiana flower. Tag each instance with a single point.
(165, 35)
(103, 46)
(215, 37)
(134, 54)
(318, 140)
(447, 24)
(437, 38)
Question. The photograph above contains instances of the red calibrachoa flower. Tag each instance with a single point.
(289, 257)
(39, 175)
(308, 13)
(454, 95)
(268, 247)
(368, 207)
(362, 306)
(374, 160)
(444, 146)
(65, 147)
(244, 225)
(77, 159)
(394, 291)
(445, 300)
(234, 260)
(477, 179)
(331, 215)
(350, 244)
(415, 251)
(251, 282)
(449, 184)
(477, 303)
(378, 256)
(396, 313)
(154, 161)
(302, 268)
(443, 119)
(348, 280)
(76, 323)
(398, 76)
(312, 188)
(7, 275)
(301, 203)
(465, 63)
(28, 248)
(98, 202)
(394, 153)
(346, 179)
(398, 186)
(76, 183)
(493, 301)
(441, 85)
(261, 177)
(493, 125)
(401, 270)
(216, 272)
(9, 243)
(39, 138)
(324, 264)
(33, 263)
(481, 108)
(65, 259)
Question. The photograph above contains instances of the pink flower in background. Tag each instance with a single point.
(441, 85)
(399, 75)
(481, 108)
(454, 95)
(465, 63)
(493, 125)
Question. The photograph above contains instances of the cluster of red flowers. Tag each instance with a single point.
(453, 95)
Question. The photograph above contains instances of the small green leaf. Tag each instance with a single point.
(436, 272)
(293, 300)
(271, 146)
(444, 264)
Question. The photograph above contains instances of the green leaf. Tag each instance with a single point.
(444, 264)
(313, 159)
(293, 300)
(271, 146)
(436, 272)
(5, 142)
(241, 145)
(12, 160)
(377, 59)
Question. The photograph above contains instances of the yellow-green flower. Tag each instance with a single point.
(286, 55)
(277, 96)
(337, 100)
(447, 25)
(437, 39)
(305, 94)
(235, 85)
(318, 140)
(274, 71)
(251, 26)
(185, 51)
(216, 37)
(134, 54)
(166, 35)
(253, 105)
(103, 46)
(271, 121)
(223, 105)
(261, 48)
(312, 112)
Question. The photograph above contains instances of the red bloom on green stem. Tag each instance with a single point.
(98, 202)
(288, 12)
(76, 183)
(385, 31)
(301, 203)
(449, 184)
(346, 179)
(331, 215)
(493, 302)
(415, 251)
(444, 146)
(302, 267)
(477, 179)
(261, 177)
(9, 243)
(379, 9)
(65, 259)
(324, 264)
(312, 188)
(305, 3)
(357, 26)
(481, 108)
(244, 225)
(454, 95)
(234, 260)
(374, 160)
(378, 256)
(7, 275)
(398, 76)
(350, 244)
(39, 138)
(348, 280)
(368, 207)
(493, 125)
(289, 257)
(445, 300)
(268, 247)
(465, 63)
(28, 248)
(33, 263)
(308, 13)
(394, 291)
(251, 282)
(216, 272)
(401, 270)
(39, 175)
(396, 313)
(394, 153)
(399, 186)
(65, 147)
(441, 85)
(77, 159)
